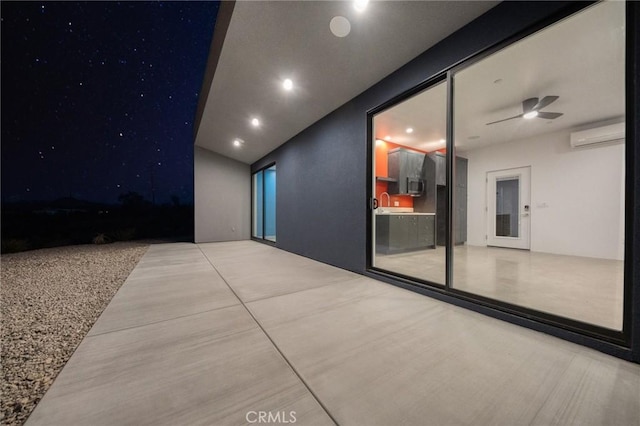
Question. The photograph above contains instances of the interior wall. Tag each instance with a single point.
(222, 191)
(576, 194)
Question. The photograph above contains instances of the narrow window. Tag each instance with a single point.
(263, 220)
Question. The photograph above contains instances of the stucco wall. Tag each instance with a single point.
(222, 198)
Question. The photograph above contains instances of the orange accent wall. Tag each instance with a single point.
(382, 170)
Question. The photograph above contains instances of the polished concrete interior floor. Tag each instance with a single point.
(581, 288)
(214, 334)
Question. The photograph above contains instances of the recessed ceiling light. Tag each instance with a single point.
(388, 138)
(379, 142)
(530, 114)
(287, 84)
(442, 141)
(255, 122)
(340, 26)
(498, 81)
(360, 5)
(409, 130)
(238, 142)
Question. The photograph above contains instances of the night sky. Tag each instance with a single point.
(99, 98)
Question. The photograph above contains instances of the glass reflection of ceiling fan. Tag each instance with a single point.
(531, 108)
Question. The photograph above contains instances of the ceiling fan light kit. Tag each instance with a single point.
(531, 109)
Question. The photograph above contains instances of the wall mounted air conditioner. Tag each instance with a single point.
(610, 133)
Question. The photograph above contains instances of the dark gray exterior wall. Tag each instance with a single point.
(322, 204)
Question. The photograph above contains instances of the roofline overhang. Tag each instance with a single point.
(223, 20)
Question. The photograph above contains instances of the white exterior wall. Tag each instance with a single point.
(222, 198)
(577, 195)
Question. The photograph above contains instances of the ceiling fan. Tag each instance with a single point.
(531, 108)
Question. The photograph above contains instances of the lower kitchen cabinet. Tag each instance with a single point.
(397, 233)
(426, 231)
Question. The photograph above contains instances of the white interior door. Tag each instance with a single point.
(509, 208)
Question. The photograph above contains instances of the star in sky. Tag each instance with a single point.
(109, 87)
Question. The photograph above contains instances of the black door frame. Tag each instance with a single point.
(263, 239)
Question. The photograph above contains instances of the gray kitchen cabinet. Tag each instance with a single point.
(405, 166)
(412, 234)
(397, 233)
(460, 205)
(426, 231)
(441, 168)
(441, 215)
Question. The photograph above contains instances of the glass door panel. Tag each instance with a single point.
(508, 223)
(546, 211)
(507, 195)
(257, 202)
(270, 204)
(263, 217)
(409, 183)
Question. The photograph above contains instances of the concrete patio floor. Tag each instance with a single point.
(223, 333)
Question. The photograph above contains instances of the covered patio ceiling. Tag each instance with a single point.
(259, 44)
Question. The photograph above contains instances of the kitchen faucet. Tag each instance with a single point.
(388, 199)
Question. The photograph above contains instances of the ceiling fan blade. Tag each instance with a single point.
(549, 115)
(528, 105)
(500, 121)
(547, 100)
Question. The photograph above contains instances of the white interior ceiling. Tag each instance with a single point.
(581, 60)
(268, 41)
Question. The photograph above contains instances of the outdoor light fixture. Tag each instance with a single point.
(340, 26)
(255, 122)
(287, 84)
(360, 5)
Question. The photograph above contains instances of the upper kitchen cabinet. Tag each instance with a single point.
(440, 161)
(405, 166)
(460, 200)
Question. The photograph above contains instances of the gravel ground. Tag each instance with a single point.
(50, 300)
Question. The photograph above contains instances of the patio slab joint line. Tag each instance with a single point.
(116, 330)
(295, 371)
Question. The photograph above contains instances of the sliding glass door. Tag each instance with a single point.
(263, 217)
(504, 182)
(545, 208)
(409, 161)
